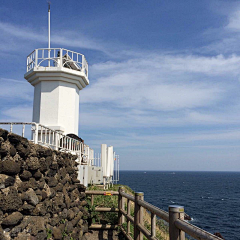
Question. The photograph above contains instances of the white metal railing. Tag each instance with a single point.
(43, 135)
(57, 57)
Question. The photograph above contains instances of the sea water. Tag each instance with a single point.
(212, 199)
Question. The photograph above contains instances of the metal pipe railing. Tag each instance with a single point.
(57, 57)
(44, 135)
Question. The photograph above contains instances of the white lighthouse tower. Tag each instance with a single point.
(57, 75)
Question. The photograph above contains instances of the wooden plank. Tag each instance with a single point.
(93, 192)
(103, 226)
(128, 236)
(104, 209)
(153, 225)
(194, 231)
(146, 232)
(128, 214)
(128, 196)
(160, 213)
(129, 217)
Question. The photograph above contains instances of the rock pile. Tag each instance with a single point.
(40, 195)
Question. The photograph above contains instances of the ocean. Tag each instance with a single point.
(212, 199)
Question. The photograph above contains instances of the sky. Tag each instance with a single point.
(164, 76)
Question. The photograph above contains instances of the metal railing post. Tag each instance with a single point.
(61, 58)
(36, 57)
(56, 140)
(36, 134)
(120, 206)
(83, 64)
(23, 130)
(138, 216)
(174, 214)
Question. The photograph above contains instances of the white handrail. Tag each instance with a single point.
(57, 57)
(56, 140)
(46, 136)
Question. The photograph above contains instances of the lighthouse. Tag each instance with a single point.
(57, 75)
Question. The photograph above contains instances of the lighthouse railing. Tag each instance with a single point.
(57, 57)
(43, 135)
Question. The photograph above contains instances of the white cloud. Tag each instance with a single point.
(12, 89)
(72, 38)
(234, 21)
(160, 82)
(194, 139)
(17, 114)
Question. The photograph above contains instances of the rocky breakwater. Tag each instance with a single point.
(40, 195)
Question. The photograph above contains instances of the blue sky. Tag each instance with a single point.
(164, 76)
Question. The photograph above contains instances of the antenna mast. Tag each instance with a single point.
(49, 25)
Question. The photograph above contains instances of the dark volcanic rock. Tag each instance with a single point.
(32, 197)
(43, 165)
(27, 209)
(4, 149)
(33, 183)
(6, 181)
(10, 201)
(218, 235)
(55, 220)
(3, 134)
(23, 149)
(33, 163)
(12, 151)
(12, 219)
(70, 215)
(57, 234)
(15, 139)
(45, 152)
(39, 190)
(64, 213)
(36, 225)
(187, 217)
(25, 175)
(40, 209)
(51, 173)
(77, 218)
(24, 186)
(14, 232)
(10, 167)
(37, 175)
(70, 170)
(44, 195)
(52, 182)
(54, 166)
(21, 144)
(69, 227)
(59, 187)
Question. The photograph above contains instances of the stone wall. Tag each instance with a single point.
(40, 195)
